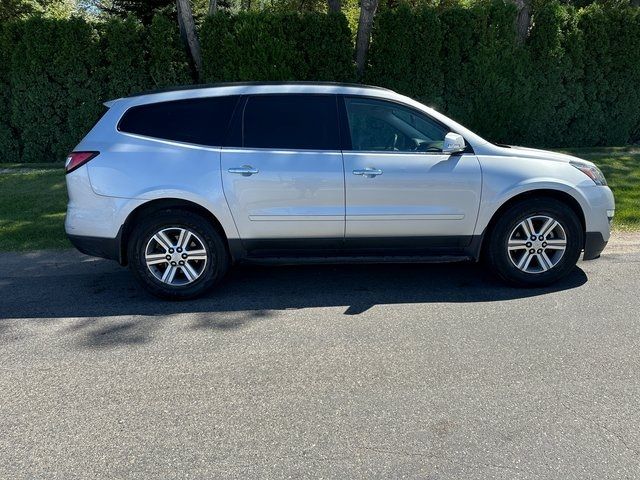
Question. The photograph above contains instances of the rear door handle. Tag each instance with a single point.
(368, 172)
(245, 170)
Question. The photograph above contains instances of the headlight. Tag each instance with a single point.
(591, 171)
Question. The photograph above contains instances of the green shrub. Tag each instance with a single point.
(556, 74)
(493, 90)
(54, 98)
(168, 63)
(9, 147)
(476, 73)
(406, 53)
(610, 113)
(122, 64)
(574, 82)
(276, 46)
(54, 75)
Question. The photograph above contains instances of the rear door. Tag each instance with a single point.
(284, 179)
(401, 190)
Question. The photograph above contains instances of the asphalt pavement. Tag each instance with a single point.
(365, 371)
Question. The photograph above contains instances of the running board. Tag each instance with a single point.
(356, 259)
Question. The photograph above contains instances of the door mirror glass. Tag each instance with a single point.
(453, 143)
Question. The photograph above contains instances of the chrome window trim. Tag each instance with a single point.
(279, 150)
(175, 143)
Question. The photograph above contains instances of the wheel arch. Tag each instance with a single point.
(165, 204)
(558, 195)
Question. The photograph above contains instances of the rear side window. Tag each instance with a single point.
(199, 120)
(291, 121)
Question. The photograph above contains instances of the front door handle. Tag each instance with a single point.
(368, 172)
(245, 170)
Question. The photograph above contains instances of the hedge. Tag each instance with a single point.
(276, 46)
(9, 151)
(55, 74)
(573, 82)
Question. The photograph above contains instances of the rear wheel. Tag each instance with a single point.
(535, 242)
(177, 254)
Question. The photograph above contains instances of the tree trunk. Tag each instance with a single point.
(365, 23)
(188, 31)
(213, 6)
(334, 6)
(523, 19)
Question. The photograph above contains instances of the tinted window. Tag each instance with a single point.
(199, 120)
(291, 121)
(376, 125)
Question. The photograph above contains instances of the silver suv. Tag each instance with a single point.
(181, 184)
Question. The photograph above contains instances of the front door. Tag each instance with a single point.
(285, 181)
(401, 190)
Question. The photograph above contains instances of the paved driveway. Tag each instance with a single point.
(412, 371)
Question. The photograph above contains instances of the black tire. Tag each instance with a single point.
(216, 265)
(496, 245)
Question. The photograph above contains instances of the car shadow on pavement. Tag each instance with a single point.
(101, 288)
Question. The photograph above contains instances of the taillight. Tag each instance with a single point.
(77, 159)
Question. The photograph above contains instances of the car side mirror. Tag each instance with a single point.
(453, 143)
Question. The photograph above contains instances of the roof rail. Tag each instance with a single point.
(241, 84)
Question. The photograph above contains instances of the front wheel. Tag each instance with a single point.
(535, 242)
(177, 254)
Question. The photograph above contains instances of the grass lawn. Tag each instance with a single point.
(33, 197)
(32, 207)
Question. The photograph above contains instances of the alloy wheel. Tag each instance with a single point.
(176, 256)
(537, 244)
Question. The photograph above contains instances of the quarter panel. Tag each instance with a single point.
(144, 169)
(94, 215)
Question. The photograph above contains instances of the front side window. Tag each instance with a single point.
(377, 125)
(291, 122)
(203, 121)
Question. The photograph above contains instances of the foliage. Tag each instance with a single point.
(121, 73)
(574, 82)
(395, 62)
(8, 136)
(143, 10)
(13, 9)
(611, 62)
(276, 46)
(55, 73)
(167, 62)
(17, 9)
(53, 94)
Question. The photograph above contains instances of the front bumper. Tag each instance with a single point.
(594, 243)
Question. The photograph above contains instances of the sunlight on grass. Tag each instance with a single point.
(32, 208)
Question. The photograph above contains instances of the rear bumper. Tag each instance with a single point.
(594, 243)
(98, 246)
